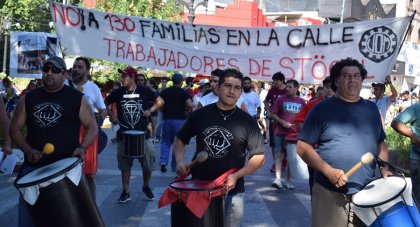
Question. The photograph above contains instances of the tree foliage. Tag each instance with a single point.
(169, 10)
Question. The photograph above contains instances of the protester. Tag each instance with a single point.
(163, 85)
(382, 101)
(283, 113)
(251, 99)
(131, 101)
(405, 101)
(213, 96)
(301, 116)
(203, 87)
(223, 123)
(189, 81)
(152, 84)
(34, 112)
(141, 79)
(32, 85)
(344, 127)
(80, 81)
(4, 128)
(278, 89)
(411, 116)
(178, 104)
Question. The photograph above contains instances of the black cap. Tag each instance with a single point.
(380, 85)
(57, 62)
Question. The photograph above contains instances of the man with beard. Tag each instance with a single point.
(80, 73)
(251, 99)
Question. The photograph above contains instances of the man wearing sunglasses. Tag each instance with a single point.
(133, 112)
(52, 114)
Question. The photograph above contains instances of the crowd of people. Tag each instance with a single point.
(232, 118)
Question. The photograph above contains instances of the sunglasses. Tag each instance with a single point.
(49, 68)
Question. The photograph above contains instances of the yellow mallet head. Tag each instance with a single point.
(48, 148)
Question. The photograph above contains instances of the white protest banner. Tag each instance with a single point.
(28, 52)
(303, 53)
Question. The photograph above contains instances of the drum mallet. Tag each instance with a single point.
(201, 157)
(365, 160)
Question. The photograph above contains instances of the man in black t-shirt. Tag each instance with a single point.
(177, 103)
(133, 114)
(228, 135)
(52, 114)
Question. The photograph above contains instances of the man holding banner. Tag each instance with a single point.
(336, 125)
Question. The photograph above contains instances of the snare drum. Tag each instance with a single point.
(58, 195)
(133, 142)
(192, 191)
(386, 203)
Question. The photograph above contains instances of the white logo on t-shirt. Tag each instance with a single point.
(217, 141)
(47, 114)
(132, 111)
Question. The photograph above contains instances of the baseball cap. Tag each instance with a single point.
(203, 82)
(177, 78)
(380, 85)
(129, 71)
(57, 62)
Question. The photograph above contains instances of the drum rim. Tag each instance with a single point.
(24, 185)
(386, 201)
(195, 189)
(141, 132)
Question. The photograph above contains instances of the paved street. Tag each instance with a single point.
(264, 205)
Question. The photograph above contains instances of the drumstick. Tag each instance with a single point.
(201, 157)
(48, 148)
(365, 160)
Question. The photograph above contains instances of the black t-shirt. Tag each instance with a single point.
(130, 107)
(175, 98)
(53, 118)
(226, 141)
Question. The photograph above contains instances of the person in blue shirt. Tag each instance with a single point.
(344, 127)
(411, 115)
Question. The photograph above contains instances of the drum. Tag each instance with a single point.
(58, 195)
(190, 192)
(386, 203)
(133, 142)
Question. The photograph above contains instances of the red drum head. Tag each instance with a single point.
(379, 192)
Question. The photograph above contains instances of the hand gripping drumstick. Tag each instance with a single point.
(365, 160)
(201, 157)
